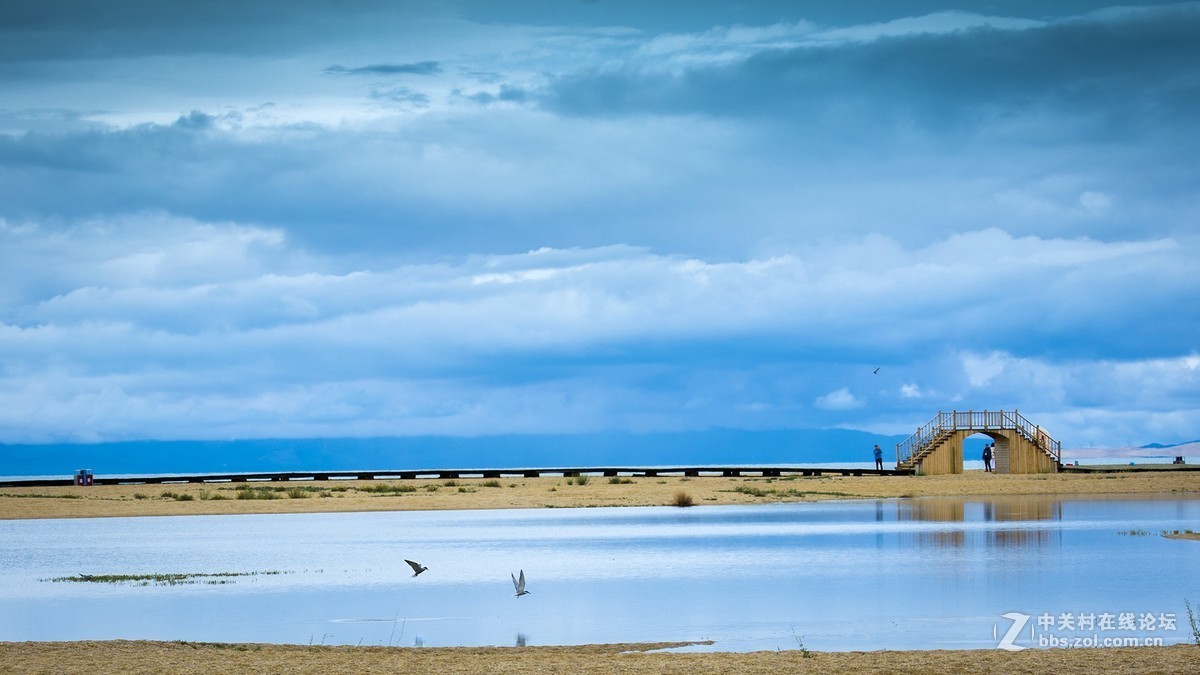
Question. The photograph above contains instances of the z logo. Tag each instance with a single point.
(1008, 641)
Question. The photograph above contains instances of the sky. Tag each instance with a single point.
(305, 219)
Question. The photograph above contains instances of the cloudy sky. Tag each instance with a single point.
(358, 218)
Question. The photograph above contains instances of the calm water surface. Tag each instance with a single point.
(875, 574)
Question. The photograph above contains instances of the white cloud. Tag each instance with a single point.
(1095, 203)
(250, 285)
(936, 23)
(981, 369)
(840, 399)
(722, 44)
(1192, 362)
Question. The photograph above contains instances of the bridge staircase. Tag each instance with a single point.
(1020, 446)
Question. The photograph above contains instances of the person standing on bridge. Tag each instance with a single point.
(878, 457)
(987, 458)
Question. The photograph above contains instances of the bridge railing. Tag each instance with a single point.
(975, 420)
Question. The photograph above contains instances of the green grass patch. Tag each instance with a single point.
(753, 492)
(1193, 622)
(280, 492)
(791, 493)
(258, 493)
(615, 480)
(164, 579)
(491, 484)
(383, 489)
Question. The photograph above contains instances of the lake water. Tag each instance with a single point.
(866, 574)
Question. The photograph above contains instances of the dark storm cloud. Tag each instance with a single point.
(183, 166)
(106, 150)
(421, 68)
(329, 187)
(1131, 68)
(507, 93)
(83, 29)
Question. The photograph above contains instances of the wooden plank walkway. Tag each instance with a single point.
(443, 474)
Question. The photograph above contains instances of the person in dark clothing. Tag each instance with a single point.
(987, 458)
(878, 457)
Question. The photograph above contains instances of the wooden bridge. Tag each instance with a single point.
(1020, 446)
(610, 471)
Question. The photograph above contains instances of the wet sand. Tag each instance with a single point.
(175, 657)
(551, 492)
(347, 496)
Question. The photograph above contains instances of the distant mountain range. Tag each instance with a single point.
(1189, 449)
(712, 447)
(1160, 446)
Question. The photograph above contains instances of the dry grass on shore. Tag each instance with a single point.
(550, 492)
(176, 657)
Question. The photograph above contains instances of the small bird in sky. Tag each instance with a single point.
(417, 567)
(519, 584)
(875, 372)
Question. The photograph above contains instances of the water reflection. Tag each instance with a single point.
(934, 510)
(826, 571)
(1024, 508)
(1020, 510)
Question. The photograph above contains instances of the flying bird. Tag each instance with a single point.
(417, 567)
(875, 372)
(519, 584)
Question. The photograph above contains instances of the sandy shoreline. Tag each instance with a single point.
(176, 657)
(550, 492)
(351, 496)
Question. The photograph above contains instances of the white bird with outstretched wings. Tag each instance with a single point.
(519, 584)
